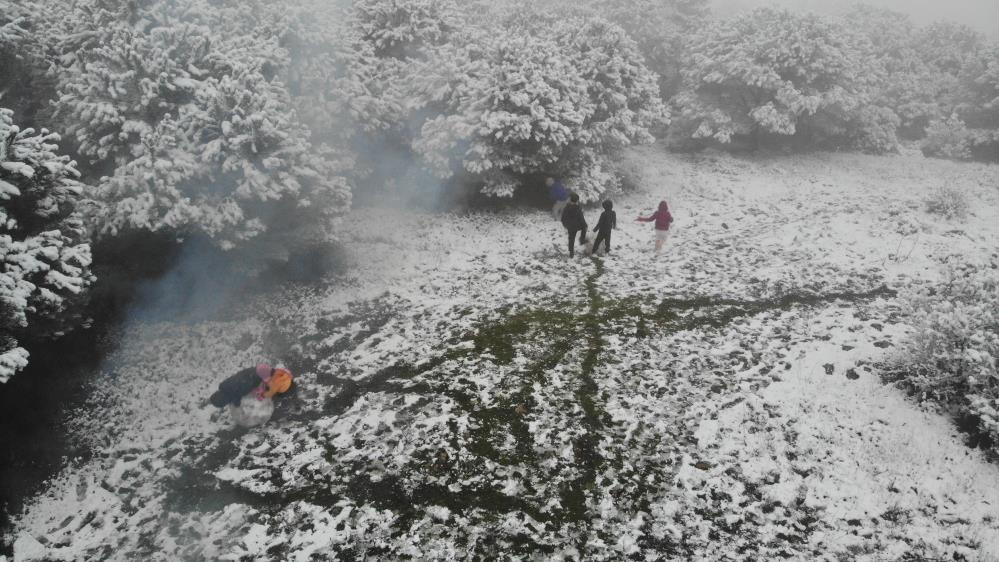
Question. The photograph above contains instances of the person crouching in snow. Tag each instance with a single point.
(663, 219)
(607, 222)
(559, 195)
(573, 221)
(248, 393)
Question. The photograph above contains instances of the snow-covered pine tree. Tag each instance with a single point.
(12, 30)
(660, 28)
(230, 166)
(624, 92)
(901, 80)
(405, 28)
(544, 95)
(948, 54)
(119, 77)
(918, 71)
(978, 105)
(181, 107)
(339, 86)
(25, 86)
(773, 72)
(970, 128)
(388, 40)
(44, 252)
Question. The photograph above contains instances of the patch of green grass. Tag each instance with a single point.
(502, 338)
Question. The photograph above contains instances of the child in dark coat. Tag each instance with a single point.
(607, 222)
(573, 221)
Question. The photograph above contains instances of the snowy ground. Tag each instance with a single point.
(468, 391)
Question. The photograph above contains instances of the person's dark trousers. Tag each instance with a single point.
(572, 240)
(604, 237)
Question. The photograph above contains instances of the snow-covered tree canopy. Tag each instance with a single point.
(545, 95)
(44, 253)
(402, 28)
(660, 28)
(978, 106)
(916, 71)
(186, 109)
(11, 31)
(966, 124)
(25, 86)
(771, 71)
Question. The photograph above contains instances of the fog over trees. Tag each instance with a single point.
(982, 15)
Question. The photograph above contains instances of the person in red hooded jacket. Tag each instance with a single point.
(663, 219)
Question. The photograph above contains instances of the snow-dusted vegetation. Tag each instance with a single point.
(353, 191)
(44, 253)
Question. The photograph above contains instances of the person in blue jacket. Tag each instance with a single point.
(559, 195)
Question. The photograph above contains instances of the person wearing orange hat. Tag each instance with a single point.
(262, 381)
(278, 382)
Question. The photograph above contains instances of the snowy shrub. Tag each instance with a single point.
(949, 138)
(772, 72)
(948, 202)
(194, 128)
(44, 255)
(952, 357)
(874, 129)
(557, 98)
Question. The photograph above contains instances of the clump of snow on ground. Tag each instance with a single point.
(251, 411)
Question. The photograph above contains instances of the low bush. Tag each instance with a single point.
(952, 357)
(949, 138)
(948, 202)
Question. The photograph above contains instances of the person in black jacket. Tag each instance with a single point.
(607, 222)
(262, 380)
(234, 388)
(573, 221)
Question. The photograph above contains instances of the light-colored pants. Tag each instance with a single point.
(557, 209)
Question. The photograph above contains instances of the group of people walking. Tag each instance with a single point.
(566, 208)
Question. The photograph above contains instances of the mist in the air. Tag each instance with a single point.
(982, 15)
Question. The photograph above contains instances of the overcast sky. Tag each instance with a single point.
(980, 14)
